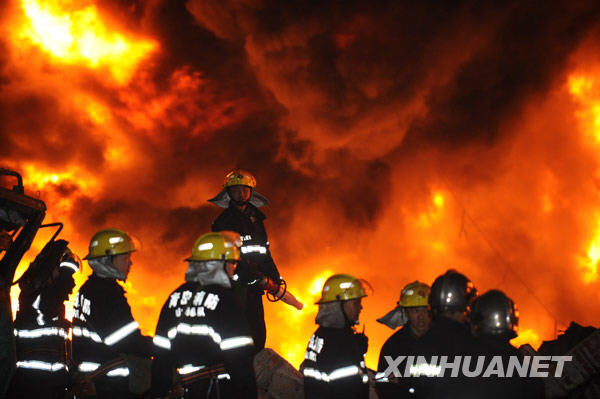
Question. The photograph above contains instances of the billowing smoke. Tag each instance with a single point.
(394, 140)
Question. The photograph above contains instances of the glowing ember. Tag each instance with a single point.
(81, 36)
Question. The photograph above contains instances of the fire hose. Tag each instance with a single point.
(277, 291)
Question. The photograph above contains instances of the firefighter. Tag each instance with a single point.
(334, 364)
(41, 332)
(242, 216)
(494, 321)
(413, 314)
(106, 338)
(202, 332)
(449, 335)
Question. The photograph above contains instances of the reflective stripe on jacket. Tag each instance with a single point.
(334, 366)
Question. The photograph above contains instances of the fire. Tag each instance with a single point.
(39, 178)
(341, 143)
(586, 91)
(299, 322)
(74, 35)
(590, 264)
(528, 336)
(438, 200)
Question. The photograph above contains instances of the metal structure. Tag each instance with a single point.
(21, 217)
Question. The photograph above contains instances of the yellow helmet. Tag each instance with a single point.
(110, 242)
(414, 294)
(341, 287)
(239, 177)
(222, 245)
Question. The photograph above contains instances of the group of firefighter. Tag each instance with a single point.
(211, 327)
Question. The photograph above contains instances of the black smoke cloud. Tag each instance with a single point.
(330, 65)
(327, 64)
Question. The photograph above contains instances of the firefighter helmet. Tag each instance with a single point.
(342, 287)
(110, 242)
(493, 313)
(414, 294)
(222, 245)
(451, 291)
(239, 177)
(70, 260)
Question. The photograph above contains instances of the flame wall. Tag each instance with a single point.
(395, 140)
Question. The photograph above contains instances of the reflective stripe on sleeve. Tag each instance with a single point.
(380, 377)
(429, 370)
(40, 365)
(118, 372)
(162, 342)
(188, 368)
(121, 333)
(86, 367)
(84, 332)
(336, 374)
(236, 342)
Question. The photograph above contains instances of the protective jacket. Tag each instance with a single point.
(334, 365)
(450, 338)
(493, 387)
(256, 262)
(103, 328)
(203, 335)
(402, 343)
(41, 333)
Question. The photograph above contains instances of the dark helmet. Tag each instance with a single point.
(493, 313)
(451, 291)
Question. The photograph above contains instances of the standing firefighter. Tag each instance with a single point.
(242, 216)
(42, 332)
(413, 314)
(202, 332)
(334, 364)
(494, 321)
(449, 335)
(106, 338)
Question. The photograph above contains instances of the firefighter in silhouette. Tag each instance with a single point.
(334, 364)
(413, 314)
(202, 336)
(42, 332)
(494, 320)
(107, 342)
(241, 214)
(449, 335)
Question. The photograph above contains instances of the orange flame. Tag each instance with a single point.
(586, 91)
(74, 35)
(421, 231)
